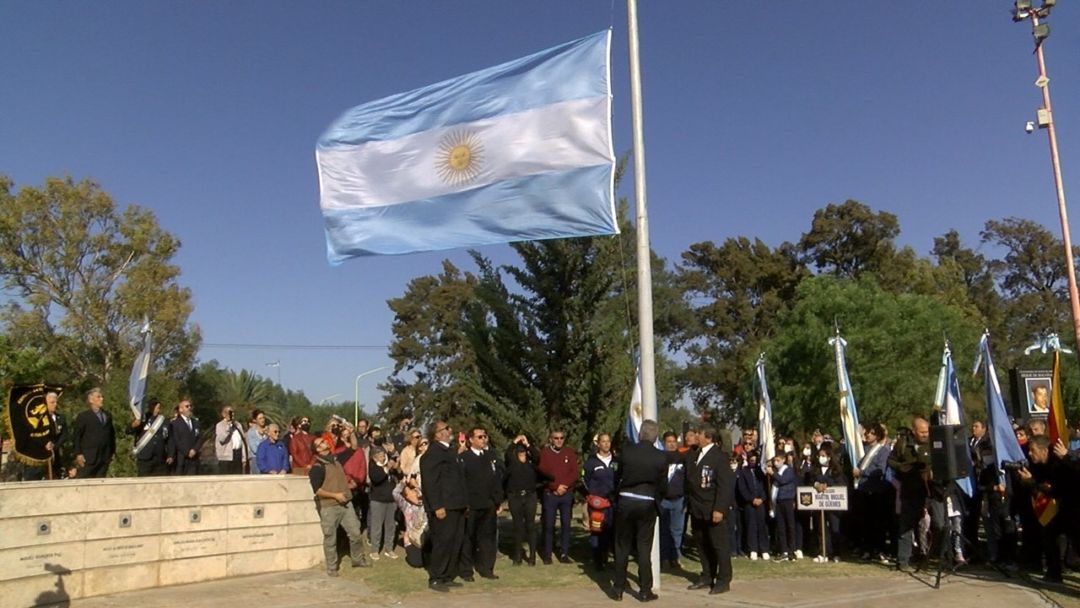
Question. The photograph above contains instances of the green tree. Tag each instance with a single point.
(432, 356)
(1032, 278)
(893, 354)
(849, 239)
(736, 294)
(81, 275)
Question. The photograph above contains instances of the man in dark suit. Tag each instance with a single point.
(443, 486)
(483, 482)
(710, 490)
(94, 437)
(642, 485)
(183, 440)
(152, 459)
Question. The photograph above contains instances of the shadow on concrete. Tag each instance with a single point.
(55, 597)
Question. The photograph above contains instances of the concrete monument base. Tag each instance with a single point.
(71, 539)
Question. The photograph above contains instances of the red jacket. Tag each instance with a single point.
(560, 467)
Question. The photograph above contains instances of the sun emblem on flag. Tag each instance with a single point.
(460, 157)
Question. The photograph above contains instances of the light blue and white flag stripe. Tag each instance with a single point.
(849, 413)
(636, 415)
(1002, 437)
(948, 400)
(518, 151)
(139, 371)
(765, 422)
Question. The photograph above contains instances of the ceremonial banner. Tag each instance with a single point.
(1002, 439)
(947, 400)
(765, 425)
(29, 423)
(1056, 427)
(139, 371)
(849, 414)
(519, 151)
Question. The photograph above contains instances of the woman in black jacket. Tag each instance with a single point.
(827, 472)
(522, 482)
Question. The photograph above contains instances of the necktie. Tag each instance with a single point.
(101, 417)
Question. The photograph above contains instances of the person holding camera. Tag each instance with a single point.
(1054, 480)
(229, 444)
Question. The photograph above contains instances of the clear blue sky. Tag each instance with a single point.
(756, 114)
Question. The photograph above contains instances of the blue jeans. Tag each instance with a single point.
(561, 506)
(672, 523)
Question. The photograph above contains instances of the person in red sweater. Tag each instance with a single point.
(559, 464)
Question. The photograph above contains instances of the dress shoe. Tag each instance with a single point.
(546, 560)
(532, 560)
(699, 585)
(565, 559)
(439, 586)
(490, 576)
(718, 589)
(332, 573)
(468, 579)
(648, 596)
(616, 594)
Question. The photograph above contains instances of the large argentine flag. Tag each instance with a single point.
(519, 151)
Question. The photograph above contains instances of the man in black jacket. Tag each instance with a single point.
(483, 482)
(710, 489)
(184, 440)
(642, 485)
(95, 437)
(151, 460)
(443, 487)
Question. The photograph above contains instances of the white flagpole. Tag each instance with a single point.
(644, 270)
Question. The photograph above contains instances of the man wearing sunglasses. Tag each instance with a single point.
(559, 464)
(483, 480)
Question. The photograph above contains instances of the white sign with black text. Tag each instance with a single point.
(834, 498)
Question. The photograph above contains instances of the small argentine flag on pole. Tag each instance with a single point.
(520, 151)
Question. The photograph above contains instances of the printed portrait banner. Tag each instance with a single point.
(29, 423)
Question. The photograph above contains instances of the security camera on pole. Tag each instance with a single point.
(1023, 10)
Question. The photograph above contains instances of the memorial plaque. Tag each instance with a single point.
(41, 559)
(256, 539)
(122, 550)
(192, 544)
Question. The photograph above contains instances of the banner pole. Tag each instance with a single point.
(823, 550)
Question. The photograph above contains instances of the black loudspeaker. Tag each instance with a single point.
(949, 452)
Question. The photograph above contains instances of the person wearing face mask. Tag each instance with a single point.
(803, 466)
(784, 484)
(300, 446)
(826, 473)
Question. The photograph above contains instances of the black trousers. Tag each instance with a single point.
(523, 512)
(713, 546)
(785, 525)
(635, 520)
(478, 548)
(93, 470)
(187, 466)
(151, 468)
(447, 535)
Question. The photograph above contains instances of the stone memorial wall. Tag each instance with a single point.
(63, 540)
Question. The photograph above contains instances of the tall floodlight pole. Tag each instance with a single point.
(644, 260)
(1040, 31)
(356, 387)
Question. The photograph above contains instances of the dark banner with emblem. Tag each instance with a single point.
(29, 423)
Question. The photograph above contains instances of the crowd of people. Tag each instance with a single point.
(439, 496)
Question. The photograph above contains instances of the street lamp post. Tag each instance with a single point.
(325, 399)
(1023, 10)
(356, 387)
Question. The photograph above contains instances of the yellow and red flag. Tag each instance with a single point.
(1056, 426)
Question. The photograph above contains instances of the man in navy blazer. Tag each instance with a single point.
(710, 489)
(94, 437)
